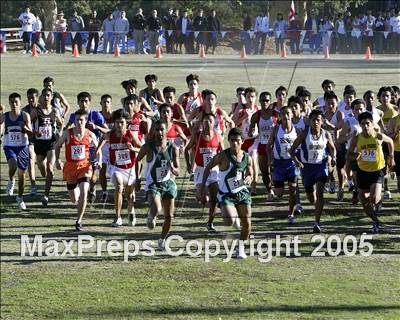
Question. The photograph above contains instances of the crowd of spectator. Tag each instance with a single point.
(182, 33)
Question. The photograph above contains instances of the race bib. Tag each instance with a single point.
(207, 157)
(285, 151)
(15, 138)
(236, 183)
(162, 173)
(78, 152)
(122, 157)
(45, 133)
(265, 133)
(368, 155)
(315, 156)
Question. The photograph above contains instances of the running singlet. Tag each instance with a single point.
(77, 150)
(283, 142)
(313, 151)
(396, 139)
(120, 155)
(333, 121)
(134, 125)
(265, 126)
(190, 103)
(158, 169)
(56, 103)
(300, 125)
(45, 124)
(13, 135)
(94, 116)
(232, 179)
(172, 134)
(388, 114)
(371, 155)
(206, 150)
(147, 96)
(354, 128)
(245, 125)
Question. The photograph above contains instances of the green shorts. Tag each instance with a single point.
(166, 189)
(234, 199)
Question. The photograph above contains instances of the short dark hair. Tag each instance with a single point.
(150, 77)
(396, 89)
(235, 132)
(192, 76)
(240, 89)
(168, 90)
(357, 101)
(31, 91)
(120, 114)
(131, 97)
(327, 82)
(383, 89)
(368, 93)
(14, 95)
(81, 112)
(126, 83)
(105, 96)
(264, 93)
(47, 90)
(349, 90)
(250, 89)
(163, 106)
(304, 93)
(316, 113)
(365, 115)
(294, 99)
(84, 94)
(48, 79)
(330, 95)
(206, 92)
(280, 88)
(287, 107)
(300, 88)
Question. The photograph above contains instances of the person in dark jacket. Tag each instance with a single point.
(154, 28)
(139, 25)
(183, 28)
(94, 26)
(200, 25)
(312, 27)
(168, 22)
(214, 26)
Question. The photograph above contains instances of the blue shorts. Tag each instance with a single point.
(21, 154)
(93, 158)
(284, 170)
(313, 173)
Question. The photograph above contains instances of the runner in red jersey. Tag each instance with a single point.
(205, 148)
(77, 168)
(121, 167)
(174, 132)
(263, 121)
(237, 106)
(178, 114)
(280, 94)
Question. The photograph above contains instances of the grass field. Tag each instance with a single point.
(166, 287)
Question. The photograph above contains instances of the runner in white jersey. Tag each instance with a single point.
(314, 141)
(327, 85)
(350, 128)
(243, 120)
(377, 115)
(349, 94)
(264, 121)
(279, 144)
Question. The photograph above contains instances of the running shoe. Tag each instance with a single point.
(117, 222)
(78, 226)
(316, 228)
(291, 220)
(45, 201)
(21, 203)
(151, 222)
(375, 227)
(104, 197)
(332, 187)
(10, 187)
(340, 195)
(92, 197)
(236, 224)
(161, 244)
(350, 185)
(210, 228)
(354, 199)
(33, 190)
(131, 219)
(270, 196)
(240, 253)
(299, 209)
(387, 195)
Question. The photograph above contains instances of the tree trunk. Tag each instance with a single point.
(49, 12)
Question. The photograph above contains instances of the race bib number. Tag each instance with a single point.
(285, 151)
(45, 133)
(265, 133)
(162, 173)
(78, 152)
(236, 183)
(207, 157)
(122, 157)
(315, 156)
(368, 155)
(15, 138)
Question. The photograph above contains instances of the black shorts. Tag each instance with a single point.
(397, 163)
(72, 186)
(366, 179)
(41, 147)
(341, 156)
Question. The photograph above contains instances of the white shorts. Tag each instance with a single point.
(105, 152)
(198, 176)
(128, 175)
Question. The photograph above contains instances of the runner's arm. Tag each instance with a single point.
(189, 156)
(175, 161)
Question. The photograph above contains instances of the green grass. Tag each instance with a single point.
(165, 287)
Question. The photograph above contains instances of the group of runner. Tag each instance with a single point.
(288, 140)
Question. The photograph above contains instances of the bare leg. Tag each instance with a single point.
(169, 207)
(244, 212)
(292, 197)
(31, 168)
(82, 202)
(319, 203)
(12, 168)
(119, 188)
(51, 157)
(21, 182)
(212, 190)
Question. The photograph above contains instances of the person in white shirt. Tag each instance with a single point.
(26, 19)
(260, 29)
(341, 33)
(37, 35)
(121, 29)
(395, 35)
(356, 35)
(326, 29)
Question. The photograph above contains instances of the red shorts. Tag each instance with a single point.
(262, 149)
(73, 171)
(247, 144)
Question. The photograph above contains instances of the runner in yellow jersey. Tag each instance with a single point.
(393, 131)
(366, 147)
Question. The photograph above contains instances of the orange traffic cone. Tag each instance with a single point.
(283, 51)
(34, 51)
(368, 55)
(3, 47)
(117, 53)
(158, 52)
(326, 53)
(75, 52)
(243, 53)
(202, 52)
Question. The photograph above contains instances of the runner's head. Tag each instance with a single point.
(33, 97)
(158, 131)
(349, 94)
(240, 95)
(235, 138)
(305, 97)
(84, 99)
(385, 95)
(366, 122)
(316, 119)
(106, 102)
(131, 104)
(208, 121)
(81, 118)
(358, 106)
(14, 100)
(331, 100)
(129, 86)
(251, 96)
(328, 85)
(295, 104)
(151, 81)
(193, 81)
(48, 82)
(209, 97)
(280, 94)
(165, 112)
(120, 118)
(369, 98)
(265, 99)
(286, 114)
(46, 96)
(169, 95)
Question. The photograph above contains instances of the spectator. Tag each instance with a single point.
(176, 40)
(326, 28)
(261, 29)
(116, 14)
(94, 26)
(200, 25)
(379, 28)
(214, 26)
(356, 34)
(295, 27)
(121, 29)
(108, 34)
(245, 34)
(60, 26)
(139, 24)
(312, 27)
(27, 19)
(169, 27)
(388, 28)
(183, 25)
(37, 35)
(348, 24)
(77, 25)
(395, 24)
(154, 28)
(341, 34)
(368, 34)
(280, 27)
